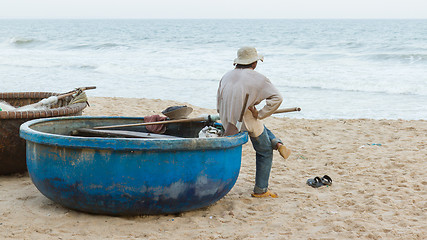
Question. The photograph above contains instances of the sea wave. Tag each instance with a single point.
(33, 63)
(24, 42)
(381, 88)
(347, 45)
(33, 43)
(373, 90)
(100, 46)
(410, 58)
(406, 58)
(28, 63)
(18, 41)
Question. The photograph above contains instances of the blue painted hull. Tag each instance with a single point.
(128, 176)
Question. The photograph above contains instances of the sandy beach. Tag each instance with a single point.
(379, 188)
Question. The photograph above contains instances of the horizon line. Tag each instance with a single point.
(115, 18)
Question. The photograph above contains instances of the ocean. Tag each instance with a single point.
(332, 69)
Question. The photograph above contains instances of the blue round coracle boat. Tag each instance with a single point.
(130, 176)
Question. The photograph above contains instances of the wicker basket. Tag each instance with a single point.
(12, 147)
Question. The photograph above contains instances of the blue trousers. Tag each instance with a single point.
(264, 145)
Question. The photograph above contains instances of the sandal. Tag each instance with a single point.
(326, 180)
(264, 195)
(315, 182)
(284, 151)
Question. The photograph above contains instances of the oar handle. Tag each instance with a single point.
(285, 110)
(74, 91)
(205, 118)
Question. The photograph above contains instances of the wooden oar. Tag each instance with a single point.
(87, 132)
(197, 119)
(285, 110)
(74, 91)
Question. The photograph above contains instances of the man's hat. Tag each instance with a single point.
(247, 55)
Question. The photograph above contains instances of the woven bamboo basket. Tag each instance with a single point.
(12, 147)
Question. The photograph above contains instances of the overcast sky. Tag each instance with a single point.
(213, 9)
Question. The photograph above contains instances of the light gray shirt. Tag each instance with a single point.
(231, 94)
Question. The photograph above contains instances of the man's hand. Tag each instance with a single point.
(254, 111)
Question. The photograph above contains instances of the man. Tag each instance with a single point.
(232, 90)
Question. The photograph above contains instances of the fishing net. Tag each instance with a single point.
(79, 97)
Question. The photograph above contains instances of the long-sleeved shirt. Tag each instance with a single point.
(232, 90)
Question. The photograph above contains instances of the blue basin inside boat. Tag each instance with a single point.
(130, 176)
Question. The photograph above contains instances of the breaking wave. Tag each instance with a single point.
(24, 42)
(399, 57)
(101, 46)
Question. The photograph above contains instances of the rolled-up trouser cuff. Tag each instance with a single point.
(259, 190)
(273, 139)
(274, 143)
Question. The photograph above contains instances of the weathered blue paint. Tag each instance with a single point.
(128, 176)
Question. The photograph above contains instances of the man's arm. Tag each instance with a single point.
(272, 104)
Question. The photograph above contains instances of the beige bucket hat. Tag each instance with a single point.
(247, 55)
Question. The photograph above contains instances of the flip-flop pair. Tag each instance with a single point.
(318, 182)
